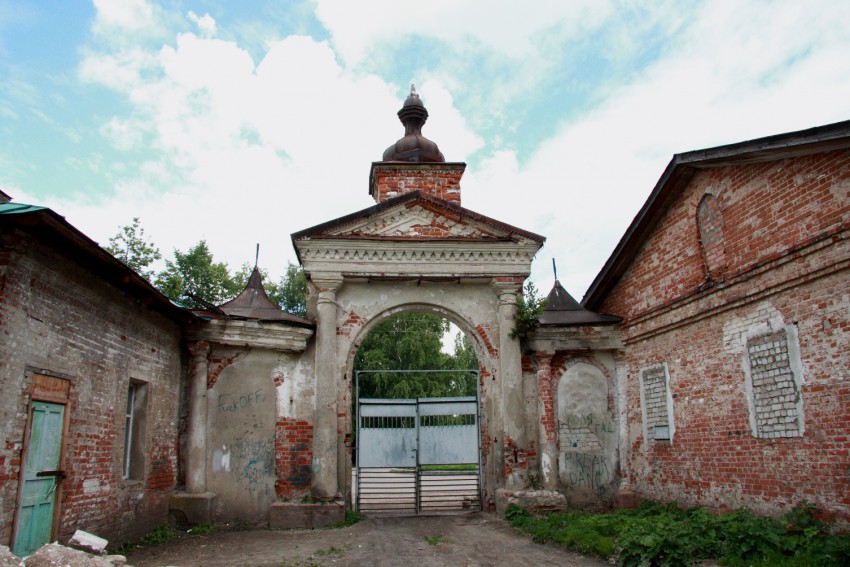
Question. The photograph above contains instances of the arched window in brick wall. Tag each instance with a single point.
(710, 222)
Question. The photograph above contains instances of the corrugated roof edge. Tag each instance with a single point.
(679, 172)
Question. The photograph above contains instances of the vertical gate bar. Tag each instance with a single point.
(357, 442)
(477, 373)
(417, 480)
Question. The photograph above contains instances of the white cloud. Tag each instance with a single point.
(119, 18)
(246, 153)
(253, 149)
(740, 71)
(509, 28)
(206, 24)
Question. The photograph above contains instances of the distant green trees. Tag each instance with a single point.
(131, 247)
(414, 341)
(194, 272)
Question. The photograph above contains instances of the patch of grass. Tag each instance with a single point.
(351, 518)
(329, 551)
(161, 534)
(656, 534)
(434, 539)
(201, 529)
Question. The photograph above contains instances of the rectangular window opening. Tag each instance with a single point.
(134, 431)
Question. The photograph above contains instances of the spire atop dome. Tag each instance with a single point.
(413, 147)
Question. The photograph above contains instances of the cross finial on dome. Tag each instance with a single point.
(413, 90)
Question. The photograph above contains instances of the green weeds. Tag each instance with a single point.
(656, 534)
(351, 518)
(161, 534)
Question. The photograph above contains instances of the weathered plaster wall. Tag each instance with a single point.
(574, 416)
(260, 406)
(59, 319)
(785, 236)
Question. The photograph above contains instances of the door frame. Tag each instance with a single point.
(52, 389)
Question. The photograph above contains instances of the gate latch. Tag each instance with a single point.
(59, 474)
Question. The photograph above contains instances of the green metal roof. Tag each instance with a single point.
(12, 208)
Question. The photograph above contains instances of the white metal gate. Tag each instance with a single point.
(418, 456)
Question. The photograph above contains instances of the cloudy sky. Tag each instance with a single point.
(242, 122)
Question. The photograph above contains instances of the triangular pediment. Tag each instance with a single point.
(420, 217)
(417, 221)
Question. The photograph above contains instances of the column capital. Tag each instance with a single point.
(507, 288)
(326, 281)
(198, 348)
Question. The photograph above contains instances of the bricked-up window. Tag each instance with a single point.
(775, 392)
(656, 402)
(134, 431)
(710, 222)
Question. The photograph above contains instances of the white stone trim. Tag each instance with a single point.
(796, 367)
(409, 258)
(649, 436)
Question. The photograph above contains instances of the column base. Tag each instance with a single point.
(193, 509)
(531, 500)
(305, 515)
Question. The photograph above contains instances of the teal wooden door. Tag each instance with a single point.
(38, 497)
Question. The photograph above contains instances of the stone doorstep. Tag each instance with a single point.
(305, 515)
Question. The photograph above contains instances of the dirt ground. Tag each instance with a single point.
(476, 539)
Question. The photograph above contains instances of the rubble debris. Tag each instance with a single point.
(88, 542)
(9, 559)
(55, 555)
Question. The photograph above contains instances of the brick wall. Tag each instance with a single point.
(785, 275)
(59, 319)
(440, 180)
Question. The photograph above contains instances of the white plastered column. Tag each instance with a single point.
(196, 451)
(510, 374)
(325, 437)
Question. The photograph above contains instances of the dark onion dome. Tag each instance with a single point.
(413, 147)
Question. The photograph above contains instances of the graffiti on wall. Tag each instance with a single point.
(251, 462)
(233, 402)
(583, 432)
(588, 471)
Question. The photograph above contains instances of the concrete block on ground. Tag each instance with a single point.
(197, 508)
(88, 542)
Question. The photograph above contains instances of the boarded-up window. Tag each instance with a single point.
(710, 222)
(655, 401)
(775, 392)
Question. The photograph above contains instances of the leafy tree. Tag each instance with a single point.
(464, 356)
(529, 308)
(292, 290)
(130, 246)
(194, 272)
(413, 341)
